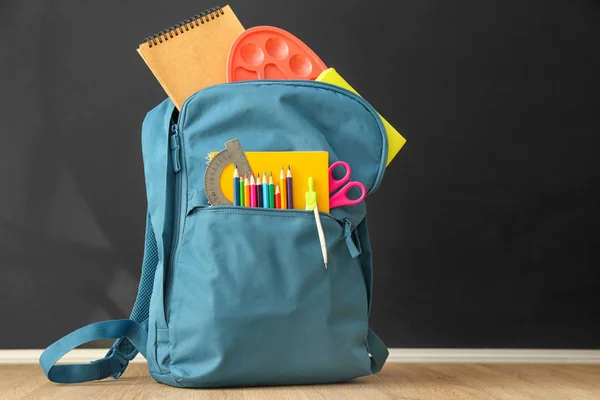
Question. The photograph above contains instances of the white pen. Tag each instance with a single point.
(311, 203)
(321, 234)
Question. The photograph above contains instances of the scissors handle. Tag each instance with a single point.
(340, 199)
(334, 184)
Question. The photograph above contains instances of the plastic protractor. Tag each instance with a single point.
(233, 154)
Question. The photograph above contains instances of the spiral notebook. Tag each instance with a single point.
(192, 54)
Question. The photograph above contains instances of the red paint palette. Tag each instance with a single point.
(266, 52)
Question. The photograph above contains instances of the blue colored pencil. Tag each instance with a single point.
(265, 188)
(236, 187)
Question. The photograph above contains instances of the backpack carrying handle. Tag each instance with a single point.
(114, 364)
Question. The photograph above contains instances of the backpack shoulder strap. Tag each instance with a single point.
(141, 307)
(110, 365)
(131, 334)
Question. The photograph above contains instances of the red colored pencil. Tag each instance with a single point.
(277, 197)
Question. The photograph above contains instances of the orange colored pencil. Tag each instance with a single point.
(246, 191)
(283, 191)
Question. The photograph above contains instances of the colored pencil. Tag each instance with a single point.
(246, 191)
(252, 191)
(236, 187)
(265, 191)
(277, 197)
(290, 192)
(259, 191)
(241, 192)
(283, 190)
(271, 192)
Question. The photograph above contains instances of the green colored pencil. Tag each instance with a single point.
(271, 192)
(242, 193)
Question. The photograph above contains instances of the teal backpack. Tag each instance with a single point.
(236, 296)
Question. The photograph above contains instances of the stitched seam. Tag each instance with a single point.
(259, 214)
(97, 370)
(175, 273)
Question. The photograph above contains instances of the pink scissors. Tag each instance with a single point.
(340, 198)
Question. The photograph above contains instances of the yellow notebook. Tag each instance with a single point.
(192, 54)
(395, 139)
(302, 165)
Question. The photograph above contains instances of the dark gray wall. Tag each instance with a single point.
(484, 231)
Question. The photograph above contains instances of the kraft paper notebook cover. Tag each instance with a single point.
(302, 164)
(192, 54)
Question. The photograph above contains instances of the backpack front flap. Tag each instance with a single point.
(283, 116)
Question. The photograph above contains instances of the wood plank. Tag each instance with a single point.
(404, 356)
(396, 381)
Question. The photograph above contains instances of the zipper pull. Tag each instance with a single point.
(350, 236)
(175, 153)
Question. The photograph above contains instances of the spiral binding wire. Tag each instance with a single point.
(184, 26)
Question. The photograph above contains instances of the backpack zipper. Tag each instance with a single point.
(175, 146)
(174, 142)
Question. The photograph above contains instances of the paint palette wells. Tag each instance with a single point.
(266, 52)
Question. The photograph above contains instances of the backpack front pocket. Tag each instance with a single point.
(253, 304)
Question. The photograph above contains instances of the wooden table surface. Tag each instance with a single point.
(396, 381)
